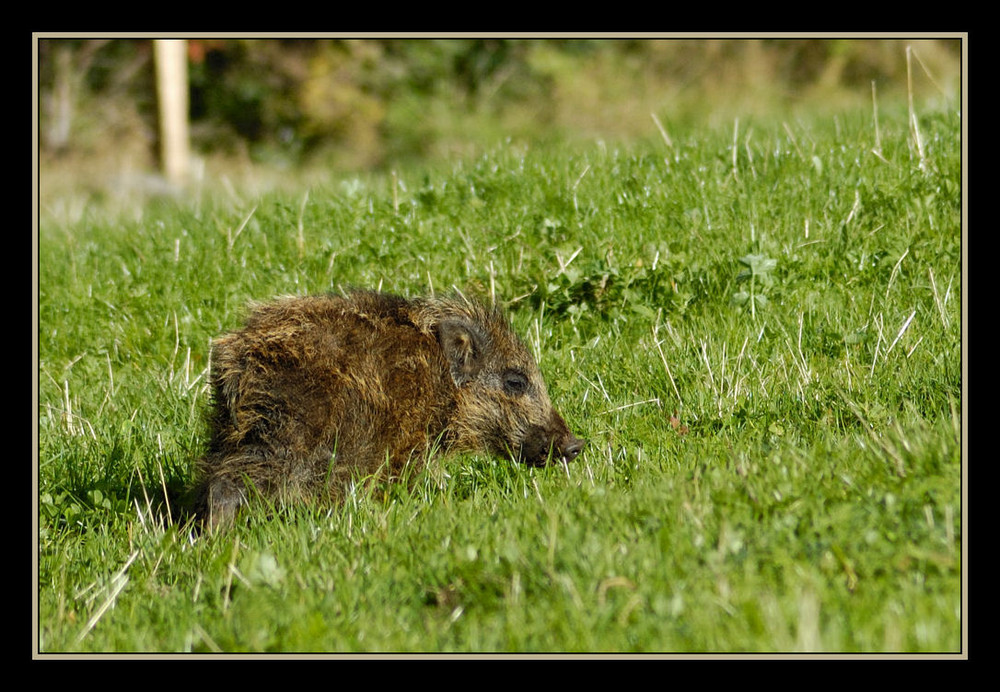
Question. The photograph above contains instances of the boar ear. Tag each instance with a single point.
(462, 343)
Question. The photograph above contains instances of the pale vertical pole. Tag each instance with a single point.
(170, 56)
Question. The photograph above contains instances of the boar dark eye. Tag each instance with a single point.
(515, 382)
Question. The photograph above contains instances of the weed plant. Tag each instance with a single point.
(757, 328)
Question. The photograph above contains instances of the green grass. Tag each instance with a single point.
(758, 329)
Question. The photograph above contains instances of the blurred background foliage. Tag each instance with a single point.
(372, 104)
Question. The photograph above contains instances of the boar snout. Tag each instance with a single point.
(572, 448)
(555, 443)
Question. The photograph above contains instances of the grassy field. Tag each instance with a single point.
(758, 328)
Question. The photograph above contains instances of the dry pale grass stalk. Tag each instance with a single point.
(666, 367)
(918, 141)
(878, 136)
(895, 271)
(711, 376)
(115, 586)
(900, 333)
(736, 132)
(300, 239)
(231, 236)
(878, 323)
(663, 131)
(937, 299)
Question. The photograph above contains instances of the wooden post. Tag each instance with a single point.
(170, 56)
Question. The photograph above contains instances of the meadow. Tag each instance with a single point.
(758, 327)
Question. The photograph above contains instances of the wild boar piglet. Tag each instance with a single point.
(315, 391)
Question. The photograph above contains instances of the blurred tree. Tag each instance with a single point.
(172, 99)
(92, 92)
(363, 103)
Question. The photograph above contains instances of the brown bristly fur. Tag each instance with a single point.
(316, 391)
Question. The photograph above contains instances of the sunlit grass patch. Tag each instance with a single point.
(758, 329)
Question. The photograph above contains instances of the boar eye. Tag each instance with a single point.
(515, 382)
